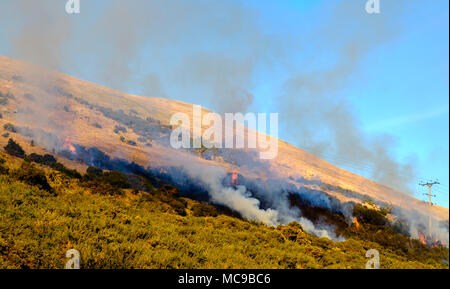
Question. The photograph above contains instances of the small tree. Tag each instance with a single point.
(9, 127)
(93, 172)
(14, 149)
(204, 210)
(33, 176)
(3, 170)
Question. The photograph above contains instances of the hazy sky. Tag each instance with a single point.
(349, 86)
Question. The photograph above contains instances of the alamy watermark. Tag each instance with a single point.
(220, 132)
(374, 262)
(373, 6)
(73, 6)
(74, 261)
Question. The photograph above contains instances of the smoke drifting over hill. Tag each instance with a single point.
(211, 52)
(312, 106)
(247, 197)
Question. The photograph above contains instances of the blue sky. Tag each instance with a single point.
(401, 88)
(394, 84)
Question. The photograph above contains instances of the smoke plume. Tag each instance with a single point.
(210, 52)
(240, 199)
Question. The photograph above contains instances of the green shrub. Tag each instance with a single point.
(3, 170)
(9, 127)
(140, 183)
(104, 189)
(170, 190)
(370, 216)
(14, 149)
(119, 128)
(116, 179)
(105, 183)
(178, 205)
(46, 159)
(68, 172)
(93, 172)
(49, 160)
(204, 210)
(32, 176)
(291, 231)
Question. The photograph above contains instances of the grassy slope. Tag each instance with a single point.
(142, 231)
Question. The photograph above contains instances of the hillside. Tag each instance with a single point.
(129, 228)
(59, 113)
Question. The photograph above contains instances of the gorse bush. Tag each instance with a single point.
(292, 232)
(119, 128)
(170, 195)
(113, 178)
(370, 216)
(3, 169)
(46, 159)
(29, 174)
(116, 179)
(93, 172)
(9, 127)
(14, 149)
(110, 183)
(103, 189)
(204, 210)
(49, 160)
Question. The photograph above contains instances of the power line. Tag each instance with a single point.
(429, 185)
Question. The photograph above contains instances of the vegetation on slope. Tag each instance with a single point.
(114, 225)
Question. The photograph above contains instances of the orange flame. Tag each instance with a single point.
(355, 221)
(68, 145)
(422, 238)
(234, 178)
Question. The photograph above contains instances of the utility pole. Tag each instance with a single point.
(429, 185)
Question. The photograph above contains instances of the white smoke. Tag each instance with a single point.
(236, 199)
(240, 199)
